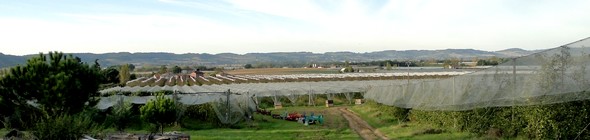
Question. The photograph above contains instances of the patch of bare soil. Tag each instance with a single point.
(360, 126)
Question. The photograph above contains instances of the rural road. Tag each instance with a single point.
(360, 126)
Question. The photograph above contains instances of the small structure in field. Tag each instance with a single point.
(197, 73)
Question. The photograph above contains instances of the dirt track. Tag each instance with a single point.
(360, 126)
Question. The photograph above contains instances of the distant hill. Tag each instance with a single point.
(11, 60)
(159, 58)
(515, 52)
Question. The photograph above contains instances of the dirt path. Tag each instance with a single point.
(360, 126)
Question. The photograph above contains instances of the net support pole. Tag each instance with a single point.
(227, 105)
(453, 98)
(513, 87)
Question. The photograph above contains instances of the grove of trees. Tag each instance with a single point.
(47, 86)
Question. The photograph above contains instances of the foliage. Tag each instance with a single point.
(161, 111)
(124, 74)
(58, 84)
(120, 116)
(347, 67)
(388, 66)
(163, 69)
(131, 67)
(452, 63)
(176, 70)
(64, 126)
(202, 114)
(111, 75)
(553, 121)
(248, 66)
(216, 71)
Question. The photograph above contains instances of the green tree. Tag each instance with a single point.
(163, 69)
(124, 74)
(121, 115)
(248, 66)
(57, 83)
(160, 111)
(187, 68)
(131, 67)
(202, 68)
(176, 70)
(111, 75)
(388, 65)
(348, 67)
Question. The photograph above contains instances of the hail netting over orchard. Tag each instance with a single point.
(192, 95)
(234, 102)
(552, 76)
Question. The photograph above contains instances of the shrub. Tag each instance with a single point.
(160, 112)
(553, 121)
(64, 127)
(399, 114)
(202, 114)
(120, 116)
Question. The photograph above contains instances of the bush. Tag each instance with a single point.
(399, 114)
(553, 121)
(64, 127)
(120, 116)
(199, 114)
(160, 112)
(203, 112)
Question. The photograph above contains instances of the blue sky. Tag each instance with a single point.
(219, 26)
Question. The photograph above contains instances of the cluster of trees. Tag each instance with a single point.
(491, 61)
(53, 96)
(117, 75)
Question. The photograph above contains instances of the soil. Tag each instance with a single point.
(359, 125)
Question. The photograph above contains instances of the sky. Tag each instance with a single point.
(248, 26)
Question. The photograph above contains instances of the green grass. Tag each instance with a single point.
(265, 127)
(394, 129)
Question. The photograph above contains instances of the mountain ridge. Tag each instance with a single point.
(165, 58)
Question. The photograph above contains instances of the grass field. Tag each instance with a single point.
(280, 71)
(265, 127)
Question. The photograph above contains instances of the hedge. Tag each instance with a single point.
(552, 121)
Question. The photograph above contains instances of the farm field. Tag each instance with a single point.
(281, 71)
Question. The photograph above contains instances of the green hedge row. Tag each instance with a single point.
(553, 121)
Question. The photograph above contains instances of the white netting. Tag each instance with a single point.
(552, 76)
(293, 98)
(231, 111)
(348, 96)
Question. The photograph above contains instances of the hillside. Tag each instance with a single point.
(160, 58)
